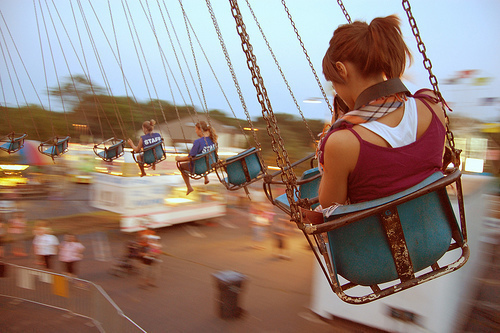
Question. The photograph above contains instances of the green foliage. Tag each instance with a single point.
(95, 117)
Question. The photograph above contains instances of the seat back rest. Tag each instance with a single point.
(361, 251)
(202, 163)
(243, 167)
(154, 153)
(310, 189)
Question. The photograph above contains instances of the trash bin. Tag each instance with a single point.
(229, 284)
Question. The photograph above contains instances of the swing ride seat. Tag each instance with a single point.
(151, 155)
(201, 164)
(12, 143)
(308, 189)
(110, 149)
(54, 147)
(391, 239)
(240, 170)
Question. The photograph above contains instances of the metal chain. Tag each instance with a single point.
(346, 14)
(287, 175)
(325, 97)
(432, 77)
(278, 66)
(235, 80)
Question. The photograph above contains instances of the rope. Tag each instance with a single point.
(313, 138)
(67, 65)
(235, 80)
(17, 76)
(43, 63)
(120, 64)
(204, 102)
(101, 68)
(179, 64)
(325, 97)
(165, 65)
(150, 21)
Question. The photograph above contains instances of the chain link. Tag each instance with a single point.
(325, 97)
(346, 14)
(287, 175)
(313, 138)
(432, 78)
(235, 80)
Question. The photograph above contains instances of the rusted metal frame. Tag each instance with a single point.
(397, 243)
(461, 209)
(406, 284)
(115, 144)
(456, 233)
(12, 139)
(321, 249)
(435, 273)
(294, 164)
(268, 178)
(356, 216)
(303, 203)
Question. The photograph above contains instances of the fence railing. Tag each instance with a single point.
(77, 296)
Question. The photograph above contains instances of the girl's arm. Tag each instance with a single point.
(182, 158)
(134, 147)
(341, 153)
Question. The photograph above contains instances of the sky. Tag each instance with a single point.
(44, 41)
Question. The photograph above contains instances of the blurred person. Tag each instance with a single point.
(17, 231)
(386, 136)
(45, 245)
(3, 236)
(70, 253)
(149, 139)
(207, 141)
(150, 254)
(260, 220)
(280, 228)
(38, 230)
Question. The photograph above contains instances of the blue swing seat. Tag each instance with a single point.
(202, 164)
(54, 147)
(151, 155)
(240, 170)
(12, 143)
(308, 189)
(391, 239)
(110, 149)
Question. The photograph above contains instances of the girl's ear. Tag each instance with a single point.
(341, 70)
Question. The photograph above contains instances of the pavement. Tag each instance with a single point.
(274, 297)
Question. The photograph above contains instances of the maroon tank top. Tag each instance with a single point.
(383, 171)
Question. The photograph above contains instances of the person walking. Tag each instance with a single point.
(45, 245)
(70, 253)
(17, 230)
(150, 258)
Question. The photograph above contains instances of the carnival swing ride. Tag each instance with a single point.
(367, 250)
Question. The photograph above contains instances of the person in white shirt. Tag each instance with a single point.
(45, 245)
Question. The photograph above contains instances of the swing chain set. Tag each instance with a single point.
(287, 176)
(455, 153)
(344, 11)
(308, 58)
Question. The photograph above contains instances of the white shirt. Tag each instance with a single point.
(45, 245)
(404, 133)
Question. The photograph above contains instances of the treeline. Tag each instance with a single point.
(92, 116)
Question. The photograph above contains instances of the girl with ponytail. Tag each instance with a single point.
(386, 139)
(207, 141)
(147, 140)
